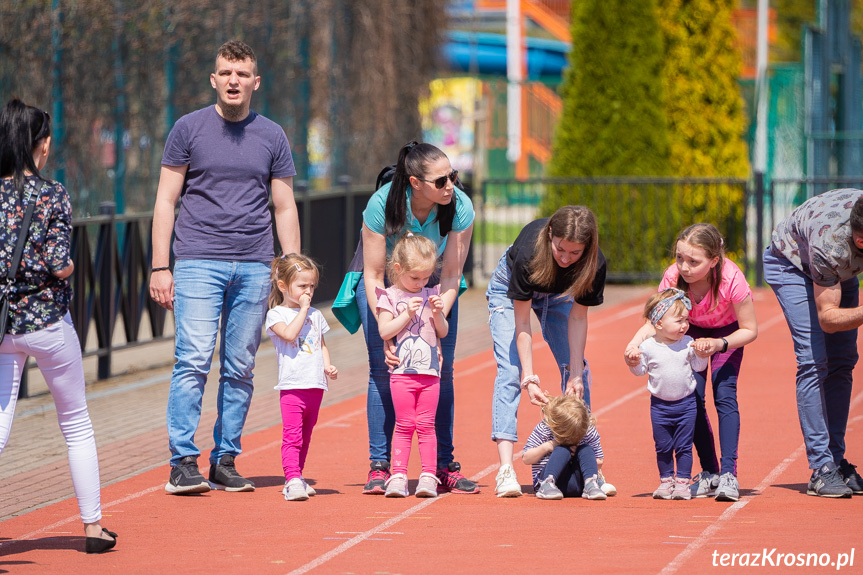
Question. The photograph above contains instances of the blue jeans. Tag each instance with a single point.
(569, 471)
(553, 314)
(379, 402)
(825, 361)
(204, 292)
(724, 371)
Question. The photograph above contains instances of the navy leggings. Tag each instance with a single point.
(673, 425)
(568, 470)
(724, 370)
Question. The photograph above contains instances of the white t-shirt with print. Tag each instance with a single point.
(301, 362)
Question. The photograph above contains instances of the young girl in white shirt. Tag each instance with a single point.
(669, 359)
(297, 331)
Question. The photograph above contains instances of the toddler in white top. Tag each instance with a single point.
(297, 331)
(670, 360)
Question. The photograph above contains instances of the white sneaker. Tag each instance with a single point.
(507, 484)
(397, 485)
(310, 491)
(606, 487)
(295, 490)
(427, 486)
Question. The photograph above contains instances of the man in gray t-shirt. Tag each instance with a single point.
(222, 163)
(812, 265)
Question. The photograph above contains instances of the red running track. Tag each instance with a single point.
(342, 531)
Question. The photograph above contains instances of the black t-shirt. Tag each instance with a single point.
(519, 256)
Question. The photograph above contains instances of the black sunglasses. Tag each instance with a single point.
(440, 182)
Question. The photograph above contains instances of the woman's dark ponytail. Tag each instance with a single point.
(397, 201)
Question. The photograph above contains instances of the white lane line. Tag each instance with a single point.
(729, 513)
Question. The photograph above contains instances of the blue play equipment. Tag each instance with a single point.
(485, 53)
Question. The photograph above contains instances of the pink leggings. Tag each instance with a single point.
(415, 400)
(300, 409)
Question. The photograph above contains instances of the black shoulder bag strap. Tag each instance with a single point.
(22, 237)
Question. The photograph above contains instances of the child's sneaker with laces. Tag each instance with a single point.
(427, 485)
(827, 481)
(729, 489)
(665, 489)
(681, 489)
(704, 485)
(377, 481)
(851, 477)
(397, 485)
(606, 487)
(295, 490)
(506, 484)
(592, 490)
(452, 480)
(548, 489)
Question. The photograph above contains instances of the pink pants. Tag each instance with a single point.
(415, 400)
(300, 409)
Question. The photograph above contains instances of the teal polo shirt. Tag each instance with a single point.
(374, 218)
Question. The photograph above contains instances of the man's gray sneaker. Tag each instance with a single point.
(186, 479)
(705, 485)
(851, 477)
(223, 475)
(728, 489)
(548, 490)
(827, 481)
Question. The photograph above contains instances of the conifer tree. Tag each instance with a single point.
(703, 102)
(613, 119)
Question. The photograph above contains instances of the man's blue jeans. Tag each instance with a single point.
(553, 314)
(206, 291)
(825, 361)
(379, 401)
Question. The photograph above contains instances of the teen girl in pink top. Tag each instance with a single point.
(722, 321)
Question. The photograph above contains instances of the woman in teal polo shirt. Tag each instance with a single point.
(423, 199)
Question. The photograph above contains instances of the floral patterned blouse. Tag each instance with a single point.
(37, 298)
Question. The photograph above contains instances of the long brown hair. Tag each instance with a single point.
(285, 268)
(575, 224)
(708, 238)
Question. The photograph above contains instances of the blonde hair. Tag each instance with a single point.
(677, 308)
(286, 268)
(412, 253)
(708, 238)
(575, 224)
(568, 419)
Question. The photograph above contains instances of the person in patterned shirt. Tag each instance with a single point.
(39, 323)
(812, 265)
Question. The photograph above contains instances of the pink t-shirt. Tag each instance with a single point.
(733, 289)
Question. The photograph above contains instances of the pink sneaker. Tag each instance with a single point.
(665, 489)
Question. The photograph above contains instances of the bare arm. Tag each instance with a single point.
(167, 195)
(632, 354)
(441, 325)
(374, 265)
(290, 331)
(577, 332)
(329, 369)
(831, 317)
(389, 326)
(535, 454)
(745, 334)
(524, 346)
(454, 256)
(285, 211)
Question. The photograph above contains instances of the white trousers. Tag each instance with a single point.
(58, 354)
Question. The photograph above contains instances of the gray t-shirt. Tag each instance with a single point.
(224, 213)
(816, 238)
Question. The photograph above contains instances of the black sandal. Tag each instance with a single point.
(99, 545)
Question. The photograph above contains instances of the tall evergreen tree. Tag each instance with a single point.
(613, 120)
(704, 106)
